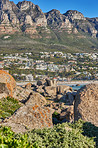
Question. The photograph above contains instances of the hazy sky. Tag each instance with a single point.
(89, 8)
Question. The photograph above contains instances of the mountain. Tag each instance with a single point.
(23, 17)
(68, 29)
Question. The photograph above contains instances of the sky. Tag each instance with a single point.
(89, 8)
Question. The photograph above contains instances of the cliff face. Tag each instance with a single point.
(56, 20)
(8, 20)
(73, 22)
(27, 17)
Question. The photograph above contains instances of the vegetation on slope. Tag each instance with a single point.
(67, 135)
(59, 41)
(8, 106)
(64, 135)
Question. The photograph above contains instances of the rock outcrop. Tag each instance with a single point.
(74, 15)
(86, 104)
(36, 98)
(32, 114)
(50, 91)
(29, 117)
(9, 22)
(67, 114)
(56, 20)
(22, 94)
(23, 17)
(72, 22)
(38, 102)
(63, 89)
(52, 83)
(7, 83)
(29, 18)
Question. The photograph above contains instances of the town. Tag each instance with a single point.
(58, 65)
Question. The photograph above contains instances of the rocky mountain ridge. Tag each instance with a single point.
(27, 17)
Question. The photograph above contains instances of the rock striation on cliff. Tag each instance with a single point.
(23, 17)
(29, 18)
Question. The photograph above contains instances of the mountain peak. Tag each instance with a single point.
(5, 5)
(54, 11)
(26, 17)
(74, 14)
(24, 5)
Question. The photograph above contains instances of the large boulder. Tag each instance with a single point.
(29, 117)
(40, 89)
(32, 114)
(50, 91)
(22, 94)
(7, 83)
(70, 98)
(39, 83)
(86, 104)
(26, 95)
(63, 89)
(28, 86)
(36, 98)
(67, 114)
(51, 82)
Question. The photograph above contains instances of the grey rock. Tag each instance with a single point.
(29, 117)
(86, 104)
(70, 98)
(67, 114)
(50, 91)
(59, 97)
(36, 98)
(74, 15)
(50, 82)
(39, 83)
(62, 89)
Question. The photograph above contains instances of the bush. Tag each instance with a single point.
(64, 135)
(8, 106)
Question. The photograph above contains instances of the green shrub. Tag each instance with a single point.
(64, 135)
(8, 106)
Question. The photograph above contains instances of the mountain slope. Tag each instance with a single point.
(71, 30)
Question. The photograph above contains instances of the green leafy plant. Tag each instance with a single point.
(8, 106)
(64, 135)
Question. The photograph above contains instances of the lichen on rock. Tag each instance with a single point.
(7, 83)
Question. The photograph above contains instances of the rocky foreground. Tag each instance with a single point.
(46, 103)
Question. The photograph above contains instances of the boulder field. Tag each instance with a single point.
(46, 103)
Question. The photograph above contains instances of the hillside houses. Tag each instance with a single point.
(75, 64)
